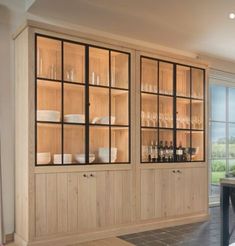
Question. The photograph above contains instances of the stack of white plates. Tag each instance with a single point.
(103, 154)
(80, 158)
(104, 120)
(48, 115)
(74, 118)
(43, 158)
(58, 159)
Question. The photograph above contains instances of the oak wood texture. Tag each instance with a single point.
(58, 205)
(105, 242)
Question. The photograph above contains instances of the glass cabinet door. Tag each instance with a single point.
(172, 112)
(82, 103)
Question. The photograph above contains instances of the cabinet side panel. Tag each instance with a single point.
(21, 135)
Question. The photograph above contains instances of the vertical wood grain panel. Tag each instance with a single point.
(51, 203)
(41, 205)
(62, 201)
(72, 202)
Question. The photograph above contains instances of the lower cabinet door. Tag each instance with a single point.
(80, 202)
(173, 192)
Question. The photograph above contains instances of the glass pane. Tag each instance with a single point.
(183, 113)
(183, 143)
(197, 114)
(165, 112)
(74, 103)
(149, 75)
(231, 104)
(99, 143)
(48, 144)
(99, 105)
(119, 144)
(218, 170)
(197, 149)
(183, 81)
(149, 116)
(119, 107)
(48, 58)
(119, 70)
(197, 83)
(98, 66)
(232, 140)
(74, 144)
(218, 140)
(218, 107)
(165, 78)
(74, 62)
(232, 165)
(149, 138)
(48, 101)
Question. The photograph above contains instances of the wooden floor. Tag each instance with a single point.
(103, 242)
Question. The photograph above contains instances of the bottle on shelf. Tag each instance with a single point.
(161, 152)
(179, 153)
(155, 151)
(150, 152)
(166, 152)
(171, 152)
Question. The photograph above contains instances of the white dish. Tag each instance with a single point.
(75, 118)
(105, 120)
(80, 158)
(43, 158)
(58, 159)
(105, 151)
(48, 115)
(105, 158)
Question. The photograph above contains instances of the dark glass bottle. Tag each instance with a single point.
(179, 153)
(171, 152)
(150, 151)
(166, 152)
(161, 152)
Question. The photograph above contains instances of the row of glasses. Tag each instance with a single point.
(165, 120)
(145, 87)
(184, 122)
(149, 119)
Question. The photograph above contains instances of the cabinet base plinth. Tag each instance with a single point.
(125, 229)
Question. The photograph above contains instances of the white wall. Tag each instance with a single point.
(8, 20)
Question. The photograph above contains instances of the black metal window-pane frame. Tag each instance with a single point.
(87, 85)
(175, 97)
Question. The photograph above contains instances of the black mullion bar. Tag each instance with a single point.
(158, 101)
(129, 107)
(110, 107)
(174, 111)
(62, 102)
(190, 113)
(35, 102)
(140, 86)
(204, 114)
(87, 105)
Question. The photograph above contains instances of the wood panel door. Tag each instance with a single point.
(82, 202)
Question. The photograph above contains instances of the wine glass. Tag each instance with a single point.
(143, 118)
(148, 118)
(154, 117)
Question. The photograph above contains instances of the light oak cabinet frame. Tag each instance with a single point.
(68, 204)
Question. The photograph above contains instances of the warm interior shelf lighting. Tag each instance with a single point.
(232, 16)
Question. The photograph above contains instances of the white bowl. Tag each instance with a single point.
(43, 158)
(80, 158)
(48, 115)
(105, 158)
(75, 118)
(105, 120)
(105, 151)
(58, 159)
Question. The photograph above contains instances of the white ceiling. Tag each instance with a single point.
(199, 26)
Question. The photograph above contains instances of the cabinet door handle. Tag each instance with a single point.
(92, 175)
(174, 171)
(178, 171)
(85, 176)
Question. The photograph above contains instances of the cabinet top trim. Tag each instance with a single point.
(124, 42)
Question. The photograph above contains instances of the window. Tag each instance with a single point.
(222, 133)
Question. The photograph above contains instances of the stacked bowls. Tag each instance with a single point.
(103, 154)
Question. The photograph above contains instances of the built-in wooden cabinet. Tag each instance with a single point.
(172, 111)
(81, 103)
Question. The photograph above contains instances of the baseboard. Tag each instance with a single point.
(122, 230)
(19, 241)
